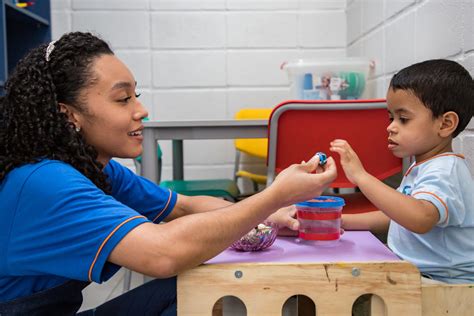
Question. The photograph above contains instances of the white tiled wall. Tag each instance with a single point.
(205, 59)
(397, 33)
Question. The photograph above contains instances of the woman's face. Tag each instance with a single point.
(112, 120)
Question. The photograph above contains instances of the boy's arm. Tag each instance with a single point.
(376, 222)
(418, 216)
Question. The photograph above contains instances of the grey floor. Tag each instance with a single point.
(96, 294)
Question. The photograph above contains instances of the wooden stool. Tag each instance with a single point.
(332, 277)
(265, 287)
(447, 299)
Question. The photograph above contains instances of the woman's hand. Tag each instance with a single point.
(349, 160)
(299, 183)
(288, 224)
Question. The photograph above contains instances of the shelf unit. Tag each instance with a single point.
(21, 29)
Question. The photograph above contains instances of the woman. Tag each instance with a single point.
(69, 215)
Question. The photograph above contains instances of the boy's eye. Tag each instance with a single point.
(403, 120)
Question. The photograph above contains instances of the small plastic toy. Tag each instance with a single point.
(24, 4)
(259, 238)
(322, 158)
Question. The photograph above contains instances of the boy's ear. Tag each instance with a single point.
(449, 123)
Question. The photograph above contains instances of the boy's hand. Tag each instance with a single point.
(349, 160)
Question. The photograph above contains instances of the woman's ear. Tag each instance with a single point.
(71, 113)
(449, 123)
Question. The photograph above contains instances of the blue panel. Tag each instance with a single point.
(23, 34)
(3, 49)
(40, 8)
(21, 29)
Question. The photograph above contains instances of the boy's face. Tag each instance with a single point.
(412, 131)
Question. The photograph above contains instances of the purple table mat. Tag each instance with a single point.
(352, 247)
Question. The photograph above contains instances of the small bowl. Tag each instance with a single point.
(259, 238)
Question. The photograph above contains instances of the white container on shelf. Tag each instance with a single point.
(327, 79)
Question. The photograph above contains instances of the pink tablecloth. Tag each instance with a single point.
(352, 247)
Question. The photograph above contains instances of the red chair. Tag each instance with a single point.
(299, 129)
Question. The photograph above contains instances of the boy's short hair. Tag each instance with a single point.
(442, 86)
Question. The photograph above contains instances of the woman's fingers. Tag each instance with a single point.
(329, 171)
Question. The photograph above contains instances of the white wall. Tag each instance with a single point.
(205, 59)
(397, 33)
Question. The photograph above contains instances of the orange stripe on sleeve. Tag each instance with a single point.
(439, 199)
(166, 206)
(105, 241)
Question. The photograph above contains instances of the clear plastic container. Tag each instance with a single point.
(320, 219)
(327, 79)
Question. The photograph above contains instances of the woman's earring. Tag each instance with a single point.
(78, 129)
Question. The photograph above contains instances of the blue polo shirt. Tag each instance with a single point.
(56, 225)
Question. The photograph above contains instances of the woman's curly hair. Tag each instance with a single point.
(32, 127)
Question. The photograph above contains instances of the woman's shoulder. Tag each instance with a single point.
(55, 167)
(40, 180)
(118, 172)
(45, 172)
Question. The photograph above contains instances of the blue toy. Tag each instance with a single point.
(322, 158)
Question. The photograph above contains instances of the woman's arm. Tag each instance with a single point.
(187, 205)
(166, 249)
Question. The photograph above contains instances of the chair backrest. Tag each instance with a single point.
(253, 113)
(253, 146)
(299, 129)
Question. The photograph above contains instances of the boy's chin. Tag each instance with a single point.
(399, 154)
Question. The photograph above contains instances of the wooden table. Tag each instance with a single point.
(333, 277)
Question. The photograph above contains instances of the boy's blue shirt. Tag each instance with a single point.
(56, 225)
(446, 253)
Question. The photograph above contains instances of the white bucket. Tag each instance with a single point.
(327, 79)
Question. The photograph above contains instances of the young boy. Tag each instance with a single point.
(431, 215)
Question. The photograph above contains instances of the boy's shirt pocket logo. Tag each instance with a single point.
(406, 190)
